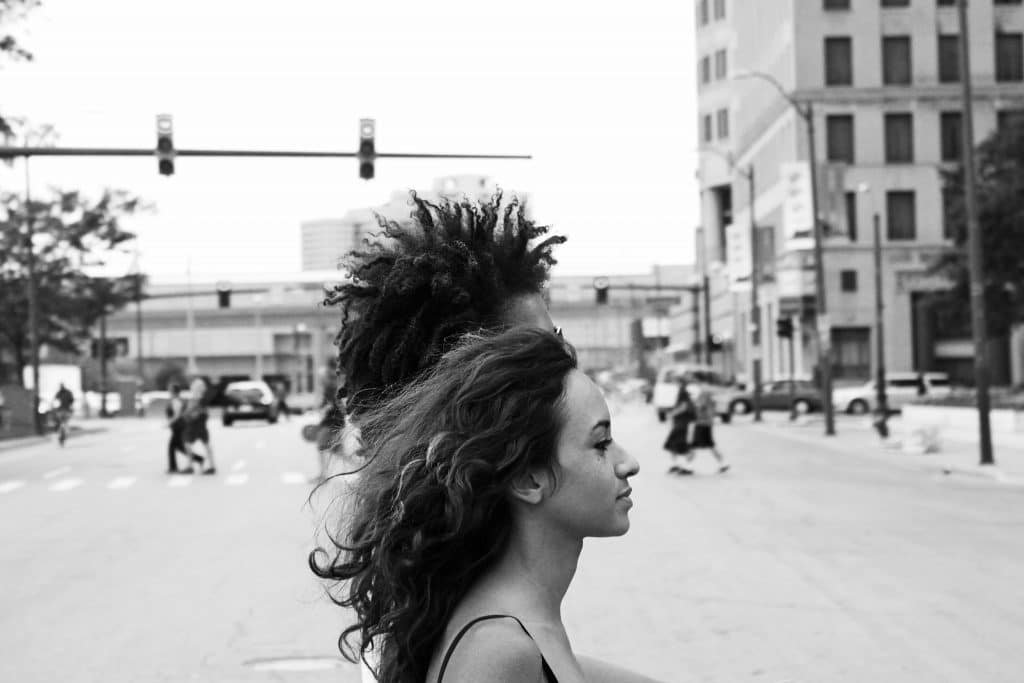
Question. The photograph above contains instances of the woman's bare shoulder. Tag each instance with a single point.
(495, 650)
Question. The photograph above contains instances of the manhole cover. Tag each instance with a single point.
(295, 663)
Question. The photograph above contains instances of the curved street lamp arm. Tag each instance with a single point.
(804, 109)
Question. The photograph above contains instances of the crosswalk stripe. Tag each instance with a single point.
(65, 485)
(179, 482)
(57, 472)
(121, 482)
(293, 478)
(236, 479)
(8, 486)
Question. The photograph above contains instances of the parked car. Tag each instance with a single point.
(802, 396)
(901, 388)
(248, 400)
(666, 388)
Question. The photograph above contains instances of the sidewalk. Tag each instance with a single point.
(956, 455)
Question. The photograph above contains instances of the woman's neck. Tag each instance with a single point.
(534, 572)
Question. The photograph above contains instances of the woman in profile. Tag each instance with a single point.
(463, 531)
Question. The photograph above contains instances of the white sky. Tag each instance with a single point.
(601, 94)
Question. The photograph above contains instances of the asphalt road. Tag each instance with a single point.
(801, 564)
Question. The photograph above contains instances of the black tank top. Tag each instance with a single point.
(549, 675)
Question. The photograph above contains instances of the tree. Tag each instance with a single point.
(10, 48)
(1000, 197)
(68, 230)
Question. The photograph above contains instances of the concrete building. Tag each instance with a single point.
(883, 79)
(279, 329)
(326, 239)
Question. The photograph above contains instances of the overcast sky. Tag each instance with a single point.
(601, 94)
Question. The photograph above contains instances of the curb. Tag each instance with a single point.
(981, 472)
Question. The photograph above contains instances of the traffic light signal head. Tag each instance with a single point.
(601, 285)
(714, 342)
(165, 144)
(367, 151)
(223, 295)
(784, 328)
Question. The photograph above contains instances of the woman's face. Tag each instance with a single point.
(592, 495)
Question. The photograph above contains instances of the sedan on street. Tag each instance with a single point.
(801, 396)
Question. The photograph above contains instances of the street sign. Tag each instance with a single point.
(797, 216)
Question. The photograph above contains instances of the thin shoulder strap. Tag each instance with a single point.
(548, 674)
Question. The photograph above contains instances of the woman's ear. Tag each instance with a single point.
(530, 487)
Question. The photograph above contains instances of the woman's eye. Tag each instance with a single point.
(603, 445)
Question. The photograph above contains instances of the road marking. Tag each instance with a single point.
(66, 485)
(236, 479)
(8, 486)
(121, 482)
(239, 464)
(178, 482)
(57, 472)
(293, 478)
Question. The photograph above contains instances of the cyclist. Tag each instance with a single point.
(64, 399)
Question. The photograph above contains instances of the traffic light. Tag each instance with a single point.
(223, 295)
(601, 285)
(367, 152)
(164, 144)
(784, 328)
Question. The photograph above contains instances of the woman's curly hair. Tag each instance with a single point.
(419, 285)
(430, 510)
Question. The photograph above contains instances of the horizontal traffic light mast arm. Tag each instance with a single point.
(10, 152)
(669, 288)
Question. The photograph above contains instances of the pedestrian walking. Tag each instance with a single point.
(678, 441)
(281, 398)
(65, 401)
(462, 535)
(175, 422)
(194, 430)
(703, 431)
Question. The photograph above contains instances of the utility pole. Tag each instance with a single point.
(33, 300)
(103, 358)
(707, 320)
(821, 312)
(883, 405)
(979, 325)
(755, 306)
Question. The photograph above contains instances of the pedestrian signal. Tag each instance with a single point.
(223, 295)
(784, 328)
(367, 151)
(601, 286)
(165, 144)
(715, 342)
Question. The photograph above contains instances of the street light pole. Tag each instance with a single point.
(33, 300)
(883, 404)
(979, 325)
(821, 312)
(806, 112)
(755, 304)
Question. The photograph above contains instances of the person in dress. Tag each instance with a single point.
(678, 441)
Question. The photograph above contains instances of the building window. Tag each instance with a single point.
(949, 59)
(723, 123)
(838, 61)
(1010, 119)
(709, 131)
(896, 60)
(851, 215)
(951, 130)
(839, 137)
(719, 9)
(721, 66)
(946, 3)
(848, 280)
(1008, 2)
(895, 3)
(949, 205)
(837, 4)
(852, 349)
(1009, 57)
(899, 138)
(901, 215)
(703, 11)
(705, 70)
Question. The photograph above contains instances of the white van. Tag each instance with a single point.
(666, 387)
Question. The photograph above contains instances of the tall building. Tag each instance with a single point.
(325, 240)
(883, 80)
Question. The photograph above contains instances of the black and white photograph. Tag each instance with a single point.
(677, 341)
